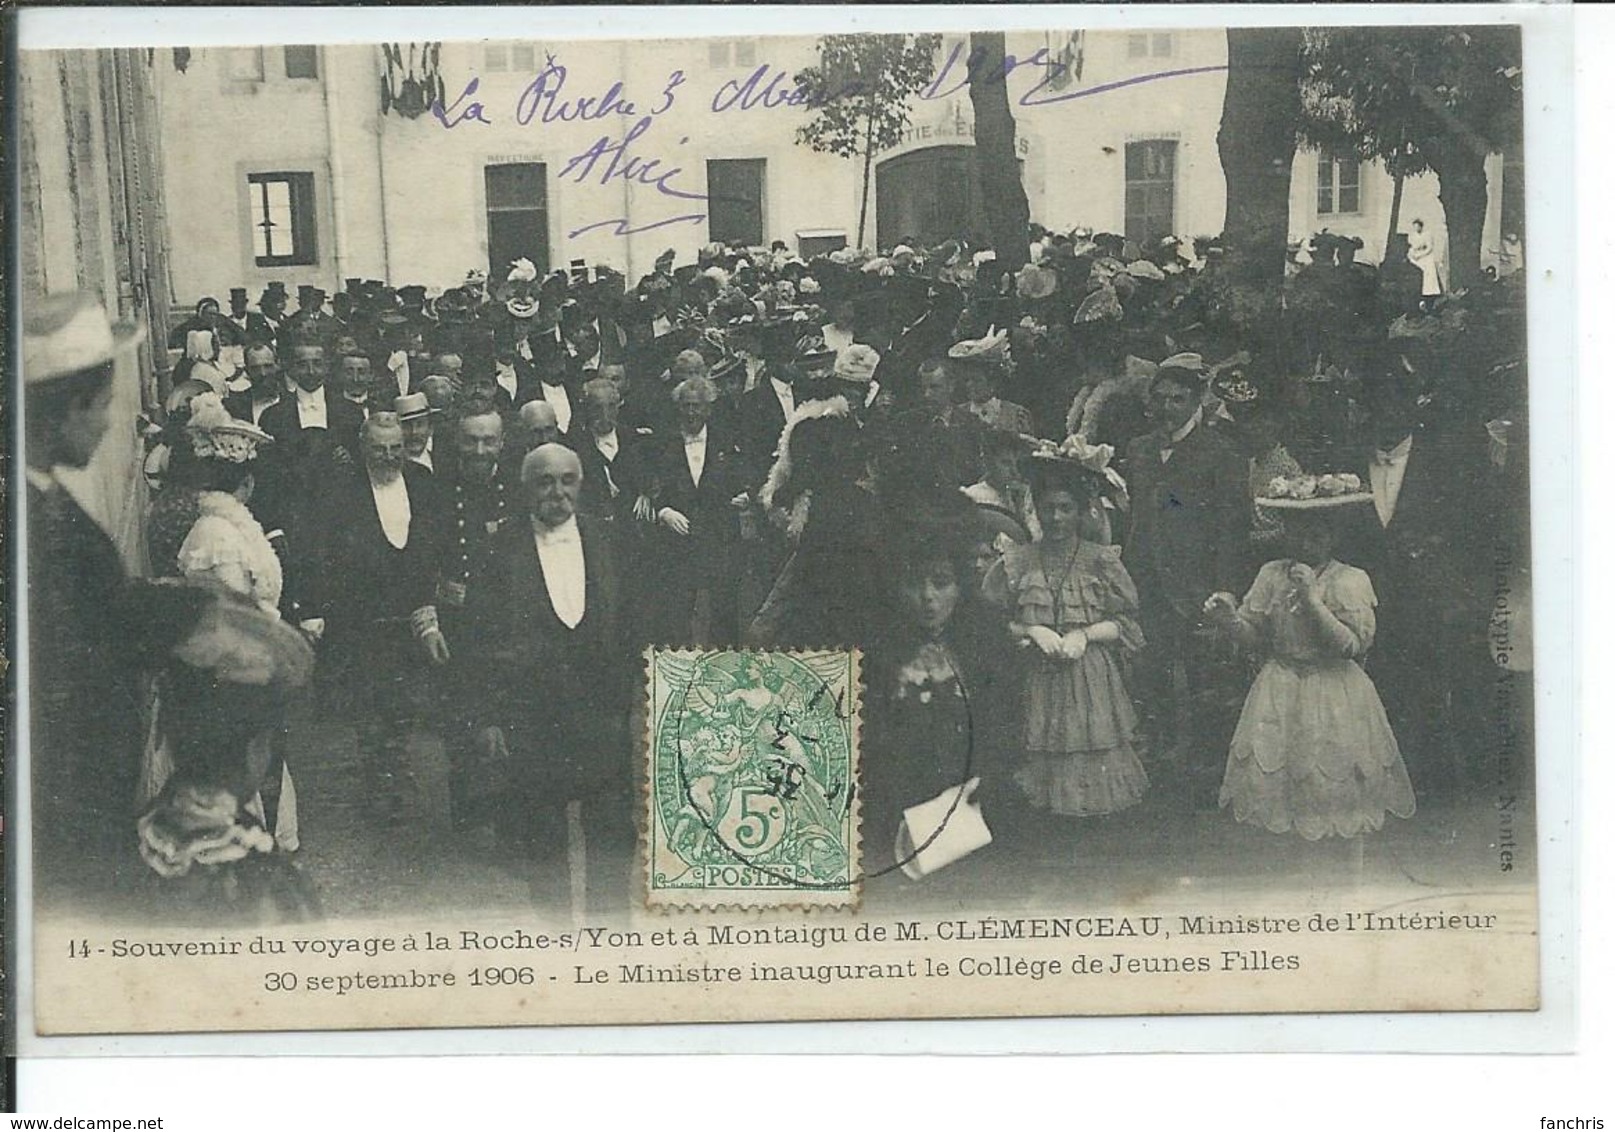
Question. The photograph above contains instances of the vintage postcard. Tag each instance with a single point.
(887, 525)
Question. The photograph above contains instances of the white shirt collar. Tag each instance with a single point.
(699, 438)
(1188, 426)
(1398, 454)
(558, 535)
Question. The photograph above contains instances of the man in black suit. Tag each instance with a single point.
(764, 410)
(316, 434)
(313, 422)
(547, 630)
(696, 477)
(1426, 545)
(94, 634)
(268, 385)
(1190, 524)
(371, 600)
(613, 473)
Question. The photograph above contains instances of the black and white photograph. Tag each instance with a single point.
(878, 524)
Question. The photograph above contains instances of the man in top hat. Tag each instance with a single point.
(271, 313)
(547, 630)
(240, 317)
(412, 302)
(554, 379)
(1190, 518)
(415, 416)
(94, 634)
(310, 319)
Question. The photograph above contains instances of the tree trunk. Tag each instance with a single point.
(1256, 143)
(869, 164)
(1396, 212)
(1008, 214)
(1462, 173)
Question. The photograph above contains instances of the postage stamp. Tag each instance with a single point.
(752, 766)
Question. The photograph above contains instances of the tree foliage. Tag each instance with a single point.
(1393, 94)
(1420, 99)
(860, 92)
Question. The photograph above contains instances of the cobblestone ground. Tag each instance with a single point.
(365, 864)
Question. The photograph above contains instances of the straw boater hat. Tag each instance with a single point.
(67, 334)
(1313, 493)
(412, 406)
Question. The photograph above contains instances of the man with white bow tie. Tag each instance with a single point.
(546, 630)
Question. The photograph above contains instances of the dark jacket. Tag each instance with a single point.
(93, 634)
(560, 693)
(626, 472)
(1190, 521)
(362, 578)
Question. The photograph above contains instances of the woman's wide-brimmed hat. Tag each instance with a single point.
(1313, 493)
(216, 435)
(70, 333)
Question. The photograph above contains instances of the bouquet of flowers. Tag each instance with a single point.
(1304, 486)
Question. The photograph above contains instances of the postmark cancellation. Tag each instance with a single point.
(752, 770)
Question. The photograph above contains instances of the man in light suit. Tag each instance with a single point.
(546, 629)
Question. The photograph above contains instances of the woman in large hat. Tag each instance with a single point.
(1314, 752)
(203, 530)
(1074, 610)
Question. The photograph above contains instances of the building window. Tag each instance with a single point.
(245, 64)
(1151, 189)
(735, 201)
(502, 57)
(518, 216)
(302, 61)
(725, 53)
(1339, 186)
(283, 230)
(1148, 44)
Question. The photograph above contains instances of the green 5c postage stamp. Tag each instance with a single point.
(752, 766)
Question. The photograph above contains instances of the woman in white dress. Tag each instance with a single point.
(1422, 254)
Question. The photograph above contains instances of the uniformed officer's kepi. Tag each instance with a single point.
(68, 333)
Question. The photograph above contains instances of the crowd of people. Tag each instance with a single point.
(1096, 537)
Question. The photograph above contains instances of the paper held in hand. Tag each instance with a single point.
(946, 829)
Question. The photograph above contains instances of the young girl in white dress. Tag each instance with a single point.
(1313, 753)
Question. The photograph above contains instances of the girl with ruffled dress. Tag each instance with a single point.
(1074, 610)
(1313, 752)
